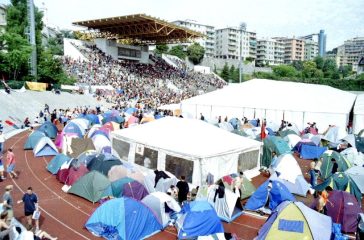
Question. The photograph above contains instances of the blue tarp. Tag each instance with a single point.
(199, 219)
(123, 219)
(55, 164)
(290, 225)
(311, 152)
(277, 194)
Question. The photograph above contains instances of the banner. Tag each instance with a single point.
(36, 86)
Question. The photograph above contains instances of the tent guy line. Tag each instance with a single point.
(59, 197)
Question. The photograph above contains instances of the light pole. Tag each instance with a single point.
(242, 28)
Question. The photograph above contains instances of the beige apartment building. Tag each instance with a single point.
(294, 49)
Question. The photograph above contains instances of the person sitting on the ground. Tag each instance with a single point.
(4, 227)
(30, 235)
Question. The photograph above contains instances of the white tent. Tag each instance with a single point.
(100, 142)
(335, 134)
(227, 208)
(298, 103)
(288, 167)
(45, 147)
(187, 147)
(358, 122)
(156, 201)
(292, 140)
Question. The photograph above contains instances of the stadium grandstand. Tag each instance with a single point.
(134, 73)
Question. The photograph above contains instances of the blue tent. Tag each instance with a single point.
(49, 129)
(55, 164)
(294, 220)
(72, 127)
(278, 193)
(45, 147)
(198, 219)
(99, 132)
(94, 119)
(33, 140)
(123, 219)
(311, 152)
(131, 110)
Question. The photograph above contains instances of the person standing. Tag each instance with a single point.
(10, 163)
(313, 175)
(1, 168)
(8, 202)
(2, 141)
(30, 201)
(183, 189)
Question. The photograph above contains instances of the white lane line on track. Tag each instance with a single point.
(165, 230)
(49, 214)
(56, 219)
(60, 197)
(245, 225)
(256, 215)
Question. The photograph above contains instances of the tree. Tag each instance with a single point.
(319, 62)
(160, 49)
(195, 53)
(345, 70)
(284, 71)
(15, 55)
(309, 69)
(225, 72)
(178, 52)
(298, 65)
(330, 69)
(50, 70)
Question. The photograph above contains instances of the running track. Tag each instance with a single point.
(64, 215)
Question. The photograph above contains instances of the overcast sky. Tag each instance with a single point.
(341, 19)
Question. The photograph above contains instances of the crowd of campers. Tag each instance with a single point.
(87, 165)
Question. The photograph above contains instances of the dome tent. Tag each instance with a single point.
(294, 220)
(123, 218)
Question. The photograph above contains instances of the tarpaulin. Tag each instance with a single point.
(36, 86)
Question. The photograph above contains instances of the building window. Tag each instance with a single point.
(127, 52)
(146, 157)
(248, 160)
(179, 167)
(122, 148)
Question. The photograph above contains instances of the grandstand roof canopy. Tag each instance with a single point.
(139, 29)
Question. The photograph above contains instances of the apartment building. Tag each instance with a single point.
(227, 45)
(2, 17)
(351, 51)
(208, 42)
(293, 49)
(311, 50)
(269, 52)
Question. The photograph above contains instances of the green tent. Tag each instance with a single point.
(33, 140)
(273, 144)
(341, 181)
(118, 185)
(286, 132)
(327, 164)
(93, 186)
(359, 143)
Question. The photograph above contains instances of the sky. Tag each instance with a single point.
(341, 19)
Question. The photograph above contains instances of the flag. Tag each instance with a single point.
(11, 124)
(262, 131)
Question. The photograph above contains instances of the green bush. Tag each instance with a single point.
(13, 84)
